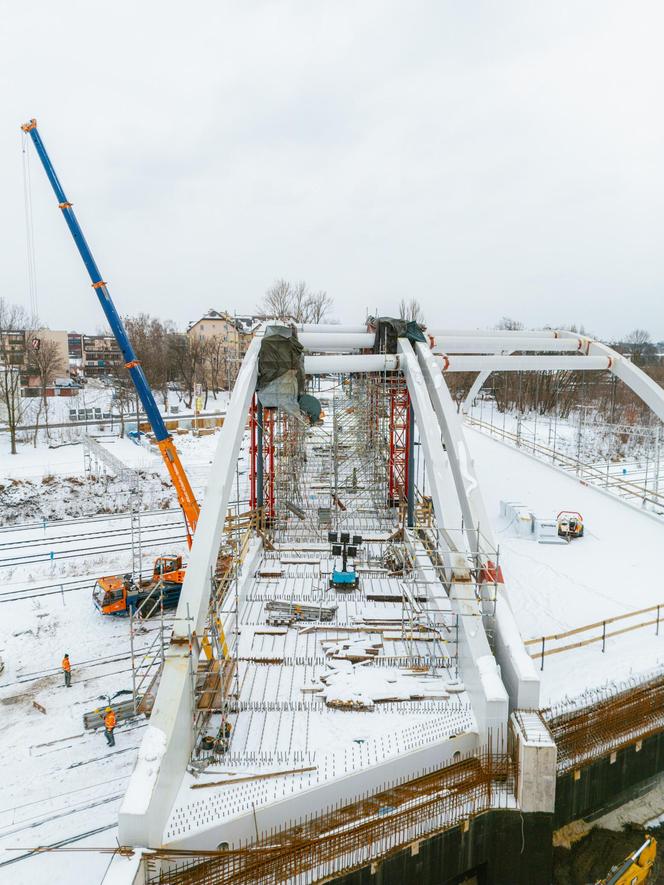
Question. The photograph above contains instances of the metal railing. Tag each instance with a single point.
(588, 472)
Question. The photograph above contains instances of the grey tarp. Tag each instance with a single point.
(389, 329)
(281, 374)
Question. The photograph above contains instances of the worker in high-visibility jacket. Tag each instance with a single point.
(66, 669)
(109, 725)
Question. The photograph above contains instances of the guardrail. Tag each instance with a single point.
(602, 636)
(588, 473)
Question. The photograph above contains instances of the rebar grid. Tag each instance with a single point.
(614, 721)
(349, 836)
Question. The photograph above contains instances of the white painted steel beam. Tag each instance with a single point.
(339, 341)
(520, 363)
(608, 359)
(439, 474)
(493, 333)
(348, 362)
(518, 670)
(330, 328)
(167, 745)
(461, 461)
(460, 344)
(624, 369)
(195, 594)
(353, 341)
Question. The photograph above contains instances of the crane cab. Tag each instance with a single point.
(169, 569)
(117, 594)
(110, 594)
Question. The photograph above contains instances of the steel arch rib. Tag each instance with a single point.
(167, 745)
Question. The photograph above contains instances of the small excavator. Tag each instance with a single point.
(636, 867)
(122, 594)
(570, 524)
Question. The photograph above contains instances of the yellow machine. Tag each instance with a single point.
(635, 868)
(570, 524)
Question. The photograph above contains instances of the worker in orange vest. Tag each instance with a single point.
(109, 725)
(66, 669)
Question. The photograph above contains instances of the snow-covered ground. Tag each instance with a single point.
(626, 459)
(612, 570)
(59, 780)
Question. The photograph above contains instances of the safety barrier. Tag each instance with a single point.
(602, 635)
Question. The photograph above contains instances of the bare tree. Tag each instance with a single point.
(188, 357)
(44, 361)
(296, 301)
(509, 325)
(16, 329)
(319, 307)
(222, 364)
(639, 344)
(278, 300)
(411, 311)
(150, 338)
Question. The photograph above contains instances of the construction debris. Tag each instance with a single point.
(288, 612)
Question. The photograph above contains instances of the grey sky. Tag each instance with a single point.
(488, 158)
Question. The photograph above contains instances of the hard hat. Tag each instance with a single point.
(108, 710)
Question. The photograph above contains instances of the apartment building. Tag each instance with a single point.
(17, 345)
(96, 355)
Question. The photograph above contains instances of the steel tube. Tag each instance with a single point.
(330, 327)
(463, 344)
(493, 333)
(330, 341)
(348, 362)
(524, 363)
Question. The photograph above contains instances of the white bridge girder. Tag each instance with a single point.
(456, 494)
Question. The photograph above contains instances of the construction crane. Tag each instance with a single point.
(636, 867)
(183, 489)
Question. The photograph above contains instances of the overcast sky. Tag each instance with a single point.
(487, 158)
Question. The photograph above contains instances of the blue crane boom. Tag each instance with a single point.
(165, 442)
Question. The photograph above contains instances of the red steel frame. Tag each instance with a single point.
(269, 419)
(399, 442)
(253, 454)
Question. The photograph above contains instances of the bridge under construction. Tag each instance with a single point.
(345, 690)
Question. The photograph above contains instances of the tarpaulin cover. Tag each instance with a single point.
(311, 407)
(281, 374)
(389, 329)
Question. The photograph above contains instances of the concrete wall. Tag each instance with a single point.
(480, 673)
(536, 763)
(609, 782)
(498, 847)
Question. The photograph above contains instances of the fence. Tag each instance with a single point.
(350, 836)
(600, 626)
(591, 473)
